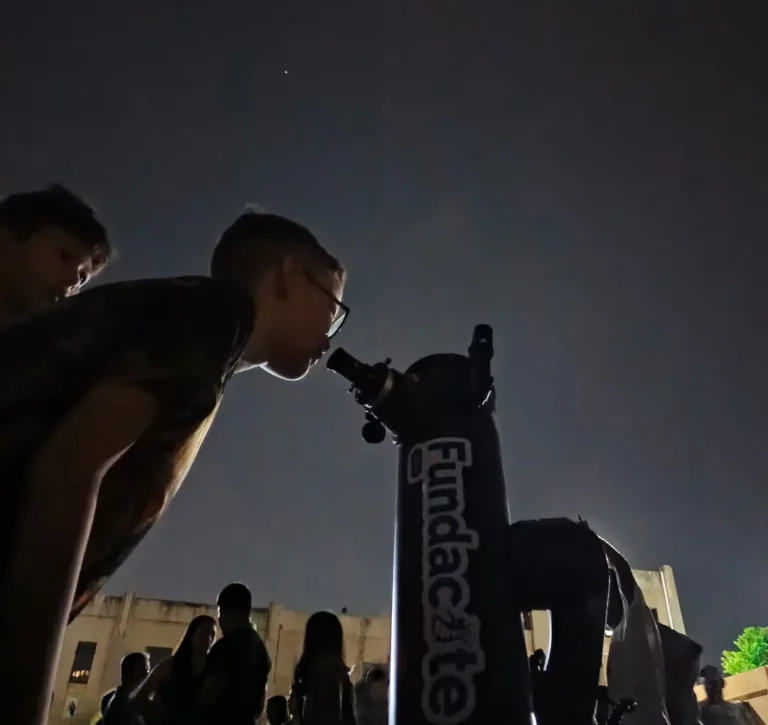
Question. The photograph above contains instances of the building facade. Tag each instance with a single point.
(111, 627)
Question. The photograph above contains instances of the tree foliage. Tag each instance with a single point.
(751, 651)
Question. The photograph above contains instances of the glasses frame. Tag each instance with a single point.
(341, 316)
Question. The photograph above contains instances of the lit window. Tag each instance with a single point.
(82, 663)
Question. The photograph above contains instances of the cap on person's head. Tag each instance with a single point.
(710, 672)
(235, 597)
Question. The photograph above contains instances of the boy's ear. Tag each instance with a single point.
(288, 275)
(276, 279)
(291, 266)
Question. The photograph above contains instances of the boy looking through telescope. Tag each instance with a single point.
(102, 419)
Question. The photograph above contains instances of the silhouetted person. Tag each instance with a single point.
(134, 669)
(104, 414)
(51, 244)
(371, 705)
(277, 710)
(174, 684)
(715, 710)
(106, 698)
(322, 692)
(236, 671)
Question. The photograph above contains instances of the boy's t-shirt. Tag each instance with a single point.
(180, 339)
(240, 660)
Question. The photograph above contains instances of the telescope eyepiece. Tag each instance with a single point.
(349, 367)
(370, 383)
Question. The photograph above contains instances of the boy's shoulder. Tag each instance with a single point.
(163, 313)
(168, 291)
(185, 311)
(157, 328)
(169, 300)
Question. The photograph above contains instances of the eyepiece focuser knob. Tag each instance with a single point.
(373, 431)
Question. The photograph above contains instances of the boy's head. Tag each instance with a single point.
(376, 684)
(296, 285)
(277, 710)
(51, 244)
(713, 682)
(134, 668)
(234, 605)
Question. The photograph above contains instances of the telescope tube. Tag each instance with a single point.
(458, 649)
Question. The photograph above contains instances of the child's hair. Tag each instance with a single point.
(321, 667)
(376, 674)
(129, 662)
(235, 597)
(182, 657)
(28, 212)
(257, 241)
(323, 640)
(278, 705)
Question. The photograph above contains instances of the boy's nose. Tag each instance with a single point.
(70, 278)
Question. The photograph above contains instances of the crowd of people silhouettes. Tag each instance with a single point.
(209, 681)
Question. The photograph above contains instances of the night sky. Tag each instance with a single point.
(588, 177)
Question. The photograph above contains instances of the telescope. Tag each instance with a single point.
(458, 649)
(463, 575)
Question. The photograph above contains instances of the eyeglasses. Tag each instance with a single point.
(341, 314)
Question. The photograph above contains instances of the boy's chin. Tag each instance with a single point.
(290, 370)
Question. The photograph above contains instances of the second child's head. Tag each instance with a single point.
(323, 638)
(296, 285)
(376, 684)
(197, 640)
(134, 669)
(234, 604)
(51, 244)
(277, 710)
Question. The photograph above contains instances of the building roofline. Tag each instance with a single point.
(173, 602)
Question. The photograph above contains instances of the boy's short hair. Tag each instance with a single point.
(129, 663)
(277, 700)
(28, 212)
(257, 241)
(376, 674)
(236, 598)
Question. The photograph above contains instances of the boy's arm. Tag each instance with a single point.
(53, 530)
(155, 680)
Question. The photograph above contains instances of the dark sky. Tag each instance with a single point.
(588, 177)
